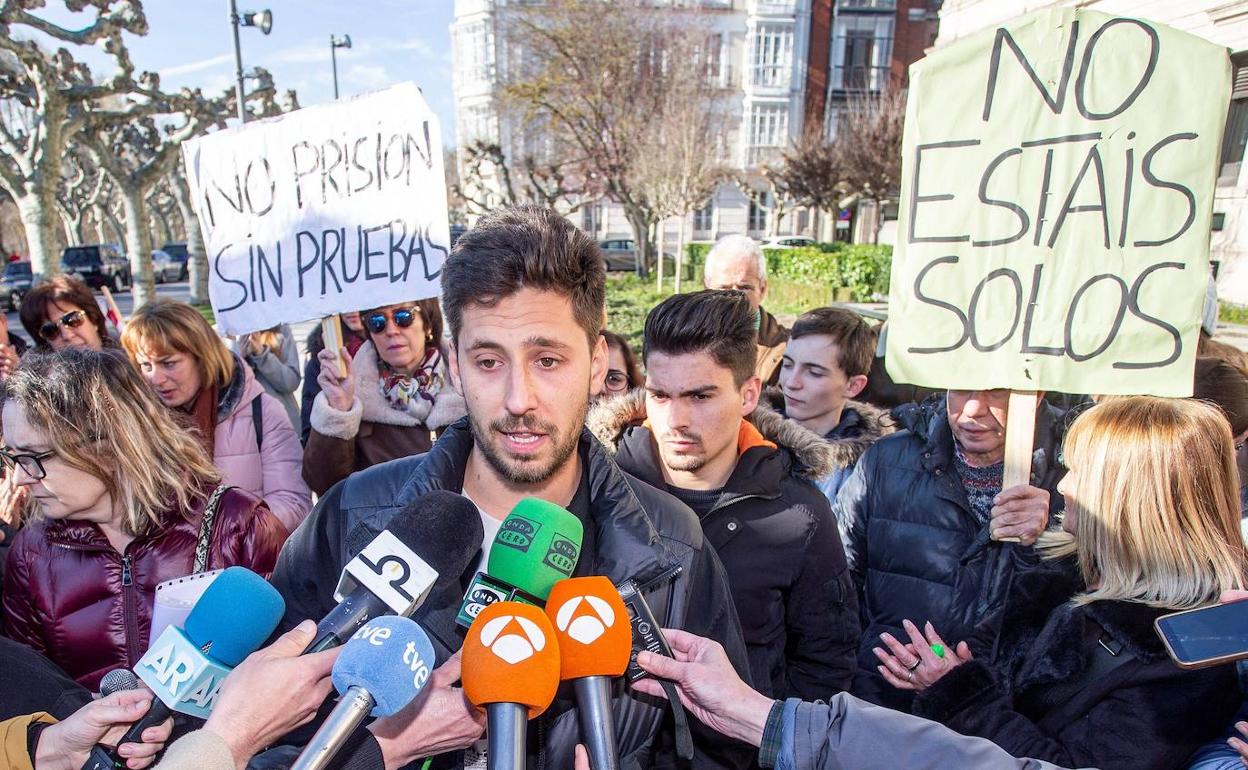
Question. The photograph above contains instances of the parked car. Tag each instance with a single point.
(621, 255)
(164, 267)
(789, 242)
(98, 265)
(178, 253)
(15, 282)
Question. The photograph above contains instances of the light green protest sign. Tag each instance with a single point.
(1056, 197)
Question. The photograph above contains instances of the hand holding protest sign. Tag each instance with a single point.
(328, 209)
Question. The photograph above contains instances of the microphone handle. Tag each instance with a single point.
(507, 733)
(101, 758)
(359, 607)
(593, 701)
(355, 705)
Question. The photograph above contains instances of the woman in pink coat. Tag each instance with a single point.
(245, 430)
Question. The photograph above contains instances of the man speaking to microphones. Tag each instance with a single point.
(524, 293)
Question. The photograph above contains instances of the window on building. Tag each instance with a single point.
(862, 50)
(474, 59)
(704, 218)
(712, 58)
(757, 218)
(772, 55)
(476, 122)
(590, 218)
(769, 131)
(1235, 137)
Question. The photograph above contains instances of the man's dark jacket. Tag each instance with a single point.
(634, 531)
(916, 551)
(30, 682)
(778, 540)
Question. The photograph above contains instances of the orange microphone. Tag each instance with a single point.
(595, 642)
(511, 668)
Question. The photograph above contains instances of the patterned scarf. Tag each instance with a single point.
(413, 393)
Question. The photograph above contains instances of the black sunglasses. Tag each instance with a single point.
(32, 463)
(50, 330)
(376, 322)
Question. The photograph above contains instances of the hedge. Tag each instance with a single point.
(859, 270)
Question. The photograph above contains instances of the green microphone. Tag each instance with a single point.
(538, 544)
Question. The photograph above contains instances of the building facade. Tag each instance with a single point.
(785, 65)
(1219, 21)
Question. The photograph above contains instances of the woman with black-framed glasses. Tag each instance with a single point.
(121, 493)
(396, 390)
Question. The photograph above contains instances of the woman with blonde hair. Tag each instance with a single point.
(125, 499)
(245, 430)
(1079, 676)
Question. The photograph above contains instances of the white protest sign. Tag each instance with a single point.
(327, 209)
(1056, 200)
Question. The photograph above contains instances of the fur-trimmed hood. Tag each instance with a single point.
(872, 424)
(813, 456)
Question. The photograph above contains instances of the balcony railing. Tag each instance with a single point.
(866, 5)
(859, 78)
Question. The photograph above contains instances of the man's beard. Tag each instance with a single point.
(530, 470)
(687, 463)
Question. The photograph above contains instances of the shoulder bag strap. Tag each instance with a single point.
(1103, 653)
(204, 542)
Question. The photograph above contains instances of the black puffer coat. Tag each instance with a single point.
(776, 536)
(915, 548)
(636, 532)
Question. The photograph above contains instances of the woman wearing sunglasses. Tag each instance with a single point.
(245, 430)
(63, 313)
(395, 392)
(121, 493)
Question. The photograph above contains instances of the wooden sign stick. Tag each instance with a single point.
(1020, 430)
(331, 332)
(108, 299)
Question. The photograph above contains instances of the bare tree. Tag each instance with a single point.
(869, 143)
(53, 94)
(602, 78)
(813, 173)
(81, 187)
(196, 259)
(565, 184)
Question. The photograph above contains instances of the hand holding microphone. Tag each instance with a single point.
(381, 670)
(67, 744)
(442, 720)
(511, 668)
(595, 641)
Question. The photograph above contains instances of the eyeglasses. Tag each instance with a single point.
(376, 322)
(616, 381)
(50, 330)
(31, 463)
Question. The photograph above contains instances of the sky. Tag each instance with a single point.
(190, 43)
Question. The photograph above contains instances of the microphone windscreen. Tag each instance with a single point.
(118, 680)
(537, 545)
(443, 528)
(391, 657)
(591, 622)
(511, 655)
(236, 613)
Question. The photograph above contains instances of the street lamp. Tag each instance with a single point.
(335, 43)
(261, 20)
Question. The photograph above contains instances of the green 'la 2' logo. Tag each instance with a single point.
(562, 555)
(517, 532)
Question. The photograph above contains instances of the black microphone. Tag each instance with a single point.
(428, 543)
(117, 680)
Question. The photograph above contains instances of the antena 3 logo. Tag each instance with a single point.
(517, 532)
(562, 555)
(513, 638)
(585, 618)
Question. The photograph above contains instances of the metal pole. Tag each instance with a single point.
(333, 55)
(238, 63)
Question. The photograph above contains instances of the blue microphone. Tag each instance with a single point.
(185, 666)
(383, 667)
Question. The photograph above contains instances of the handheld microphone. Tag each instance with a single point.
(383, 668)
(185, 666)
(511, 667)
(595, 642)
(538, 544)
(388, 577)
